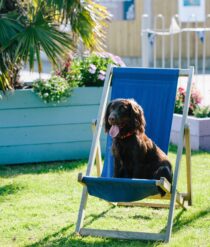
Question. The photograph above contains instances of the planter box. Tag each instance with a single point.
(199, 131)
(32, 131)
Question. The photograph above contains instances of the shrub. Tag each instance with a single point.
(195, 100)
(202, 111)
(89, 70)
(55, 89)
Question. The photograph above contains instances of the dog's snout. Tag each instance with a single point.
(112, 118)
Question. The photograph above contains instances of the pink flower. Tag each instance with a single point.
(58, 72)
(196, 95)
(181, 90)
(67, 64)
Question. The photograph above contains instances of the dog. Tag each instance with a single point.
(135, 154)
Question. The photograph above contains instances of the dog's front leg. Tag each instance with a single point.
(118, 169)
(138, 166)
(138, 170)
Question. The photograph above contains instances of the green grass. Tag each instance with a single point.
(39, 205)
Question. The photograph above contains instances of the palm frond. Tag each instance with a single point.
(4, 81)
(87, 19)
(38, 35)
(8, 29)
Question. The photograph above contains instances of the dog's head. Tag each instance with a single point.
(123, 116)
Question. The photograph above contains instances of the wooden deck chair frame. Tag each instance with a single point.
(171, 191)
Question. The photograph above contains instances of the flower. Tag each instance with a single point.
(181, 90)
(92, 69)
(102, 72)
(195, 100)
(55, 89)
(101, 77)
(89, 70)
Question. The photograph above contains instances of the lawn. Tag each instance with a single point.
(39, 205)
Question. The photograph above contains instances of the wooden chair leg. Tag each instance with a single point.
(188, 164)
(98, 160)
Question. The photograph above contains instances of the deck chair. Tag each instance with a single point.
(155, 90)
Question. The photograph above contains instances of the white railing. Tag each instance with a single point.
(179, 46)
(165, 37)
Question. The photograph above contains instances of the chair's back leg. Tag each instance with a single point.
(188, 164)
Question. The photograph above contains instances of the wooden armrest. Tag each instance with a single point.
(164, 184)
(79, 178)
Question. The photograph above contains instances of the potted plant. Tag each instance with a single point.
(44, 123)
(198, 120)
(89, 70)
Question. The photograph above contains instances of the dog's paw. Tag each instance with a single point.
(162, 192)
(163, 171)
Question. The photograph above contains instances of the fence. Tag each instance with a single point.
(179, 46)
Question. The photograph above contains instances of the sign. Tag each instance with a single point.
(119, 9)
(192, 10)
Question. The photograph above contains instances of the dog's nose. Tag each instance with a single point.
(112, 119)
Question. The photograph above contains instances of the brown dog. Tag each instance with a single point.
(135, 155)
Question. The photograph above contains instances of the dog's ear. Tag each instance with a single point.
(106, 122)
(137, 115)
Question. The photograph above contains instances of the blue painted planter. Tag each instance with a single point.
(32, 131)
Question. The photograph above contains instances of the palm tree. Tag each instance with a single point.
(27, 27)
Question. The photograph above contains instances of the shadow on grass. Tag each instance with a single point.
(40, 168)
(93, 217)
(54, 239)
(67, 238)
(9, 189)
(73, 240)
(180, 223)
(63, 238)
(82, 242)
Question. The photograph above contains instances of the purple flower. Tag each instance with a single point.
(102, 72)
(119, 61)
(101, 77)
(92, 69)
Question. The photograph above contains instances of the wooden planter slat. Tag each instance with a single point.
(32, 131)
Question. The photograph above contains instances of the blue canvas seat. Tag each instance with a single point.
(155, 90)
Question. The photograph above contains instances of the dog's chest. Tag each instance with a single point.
(125, 149)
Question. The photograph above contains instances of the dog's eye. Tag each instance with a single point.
(123, 108)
